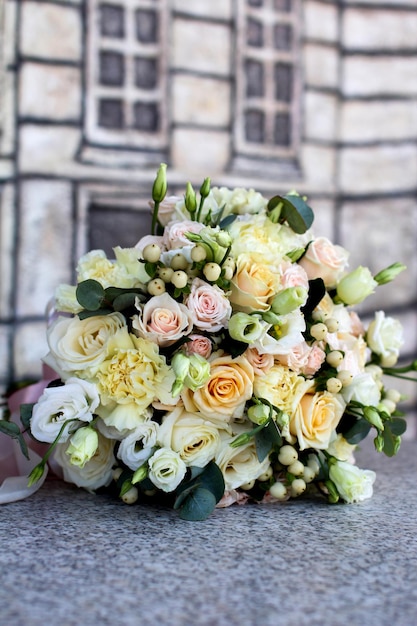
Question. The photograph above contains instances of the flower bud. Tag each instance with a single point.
(130, 496)
(140, 474)
(159, 188)
(389, 273)
(212, 271)
(223, 239)
(151, 253)
(246, 328)
(259, 413)
(36, 474)
(205, 188)
(356, 286)
(288, 300)
(372, 416)
(379, 443)
(180, 364)
(198, 372)
(393, 395)
(190, 199)
(83, 446)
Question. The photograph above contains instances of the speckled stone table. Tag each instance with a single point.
(70, 558)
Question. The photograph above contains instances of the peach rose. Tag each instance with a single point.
(261, 363)
(316, 418)
(174, 234)
(303, 359)
(225, 393)
(253, 285)
(163, 320)
(325, 260)
(293, 275)
(209, 307)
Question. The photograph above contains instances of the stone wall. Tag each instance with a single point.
(354, 149)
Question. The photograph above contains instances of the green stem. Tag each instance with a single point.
(154, 218)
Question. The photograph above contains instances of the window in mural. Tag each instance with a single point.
(267, 78)
(126, 74)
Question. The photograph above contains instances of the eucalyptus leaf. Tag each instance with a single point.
(391, 441)
(266, 439)
(104, 311)
(294, 210)
(9, 428)
(23, 445)
(26, 411)
(357, 432)
(398, 426)
(124, 301)
(198, 506)
(227, 221)
(90, 294)
(212, 478)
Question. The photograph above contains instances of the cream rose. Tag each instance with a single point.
(194, 438)
(76, 400)
(163, 320)
(79, 346)
(166, 469)
(225, 393)
(96, 473)
(239, 465)
(315, 419)
(282, 387)
(208, 305)
(253, 284)
(324, 260)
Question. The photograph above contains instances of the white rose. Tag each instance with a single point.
(364, 388)
(239, 465)
(137, 447)
(96, 473)
(76, 400)
(194, 438)
(385, 337)
(166, 469)
(81, 345)
(352, 483)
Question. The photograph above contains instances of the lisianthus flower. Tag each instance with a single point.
(138, 445)
(352, 483)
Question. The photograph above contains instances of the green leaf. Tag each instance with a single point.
(124, 301)
(85, 314)
(295, 211)
(212, 478)
(26, 414)
(90, 294)
(266, 439)
(398, 426)
(227, 221)
(198, 506)
(357, 432)
(9, 428)
(391, 441)
(151, 269)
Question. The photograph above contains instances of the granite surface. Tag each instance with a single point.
(70, 558)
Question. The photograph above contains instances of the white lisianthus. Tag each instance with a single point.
(364, 388)
(385, 337)
(239, 465)
(352, 483)
(166, 469)
(194, 438)
(137, 447)
(341, 449)
(82, 446)
(96, 473)
(287, 334)
(76, 400)
(356, 286)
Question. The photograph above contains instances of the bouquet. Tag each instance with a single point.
(218, 361)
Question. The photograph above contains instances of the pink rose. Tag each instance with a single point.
(198, 344)
(293, 275)
(208, 305)
(261, 363)
(174, 234)
(167, 208)
(324, 260)
(163, 320)
(303, 359)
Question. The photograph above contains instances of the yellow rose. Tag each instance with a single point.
(225, 393)
(316, 418)
(253, 285)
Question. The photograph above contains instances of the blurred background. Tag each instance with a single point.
(316, 95)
